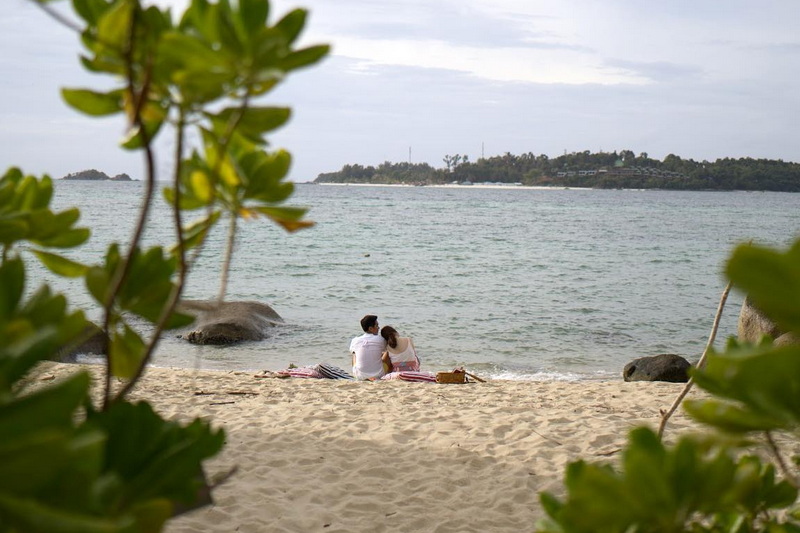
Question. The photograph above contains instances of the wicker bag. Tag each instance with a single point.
(456, 376)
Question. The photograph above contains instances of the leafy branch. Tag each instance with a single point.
(710, 483)
(65, 466)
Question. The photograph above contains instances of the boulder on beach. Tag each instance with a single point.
(754, 324)
(91, 341)
(661, 367)
(229, 322)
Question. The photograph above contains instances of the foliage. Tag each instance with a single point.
(602, 170)
(66, 464)
(693, 486)
(706, 484)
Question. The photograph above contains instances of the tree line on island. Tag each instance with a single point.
(601, 170)
(95, 175)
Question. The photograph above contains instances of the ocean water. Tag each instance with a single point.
(509, 282)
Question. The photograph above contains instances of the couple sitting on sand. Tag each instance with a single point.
(384, 356)
(379, 356)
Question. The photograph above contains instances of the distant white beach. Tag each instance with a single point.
(457, 186)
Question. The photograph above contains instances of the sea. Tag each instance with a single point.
(509, 282)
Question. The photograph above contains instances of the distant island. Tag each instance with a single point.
(601, 170)
(95, 175)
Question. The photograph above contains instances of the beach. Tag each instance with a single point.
(344, 456)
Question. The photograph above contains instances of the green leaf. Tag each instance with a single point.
(264, 174)
(12, 281)
(33, 516)
(68, 217)
(134, 140)
(67, 239)
(32, 461)
(253, 15)
(155, 458)
(97, 281)
(26, 194)
(188, 202)
(763, 379)
(730, 418)
(52, 407)
(151, 515)
(12, 229)
(292, 24)
(184, 52)
(94, 103)
(113, 26)
(44, 193)
(287, 217)
(254, 122)
(304, 57)
(201, 186)
(126, 352)
(196, 232)
(225, 29)
(204, 86)
(61, 265)
(551, 505)
(30, 347)
(90, 10)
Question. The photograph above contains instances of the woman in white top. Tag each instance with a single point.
(400, 354)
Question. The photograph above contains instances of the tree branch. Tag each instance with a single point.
(790, 477)
(183, 269)
(123, 270)
(665, 416)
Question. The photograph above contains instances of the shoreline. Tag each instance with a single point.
(509, 186)
(361, 456)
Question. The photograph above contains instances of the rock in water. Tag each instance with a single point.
(662, 367)
(229, 322)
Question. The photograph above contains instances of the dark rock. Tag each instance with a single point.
(121, 177)
(91, 341)
(229, 322)
(662, 367)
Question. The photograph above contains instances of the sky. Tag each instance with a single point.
(416, 80)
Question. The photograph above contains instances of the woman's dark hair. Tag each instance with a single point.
(390, 334)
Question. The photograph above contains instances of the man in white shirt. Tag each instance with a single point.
(367, 350)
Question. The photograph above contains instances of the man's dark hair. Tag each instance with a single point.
(368, 322)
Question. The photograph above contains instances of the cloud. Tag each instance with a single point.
(657, 71)
(449, 76)
(534, 64)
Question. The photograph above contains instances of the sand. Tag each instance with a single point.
(339, 456)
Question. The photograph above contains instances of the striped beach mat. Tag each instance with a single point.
(301, 372)
(332, 372)
(409, 375)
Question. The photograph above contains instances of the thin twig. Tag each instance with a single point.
(665, 416)
(123, 270)
(226, 264)
(58, 17)
(790, 477)
(183, 270)
(233, 123)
